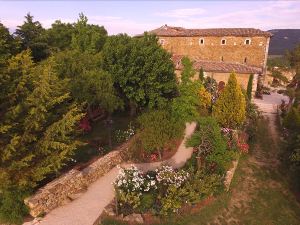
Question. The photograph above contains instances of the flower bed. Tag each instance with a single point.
(166, 191)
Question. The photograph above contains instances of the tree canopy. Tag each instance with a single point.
(142, 71)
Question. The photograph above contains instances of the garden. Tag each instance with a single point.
(71, 93)
(224, 119)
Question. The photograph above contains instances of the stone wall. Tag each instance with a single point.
(70, 185)
(235, 49)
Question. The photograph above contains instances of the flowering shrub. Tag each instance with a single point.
(167, 176)
(125, 135)
(235, 140)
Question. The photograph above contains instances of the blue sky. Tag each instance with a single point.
(134, 17)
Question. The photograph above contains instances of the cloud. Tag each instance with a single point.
(181, 13)
(267, 15)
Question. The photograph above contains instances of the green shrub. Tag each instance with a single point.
(292, 120)
(12, 208)
(230, 108)
(202, 185)
(249, 87)
(216, 151)
(147, 201)
(172, 200)
(157, 128)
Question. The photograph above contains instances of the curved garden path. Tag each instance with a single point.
(87, 208)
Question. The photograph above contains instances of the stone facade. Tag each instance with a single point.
(235, 50)
(70, 185)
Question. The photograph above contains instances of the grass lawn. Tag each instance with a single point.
(259, 193)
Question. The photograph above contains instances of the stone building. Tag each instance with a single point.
(218, 51)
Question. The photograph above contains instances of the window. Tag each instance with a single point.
(222, 59)
(162, 41)
(201, 41)
(245, 60)
(248, 41)
(223, 42)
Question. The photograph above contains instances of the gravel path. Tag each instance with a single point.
(268, 106)
(87, 208)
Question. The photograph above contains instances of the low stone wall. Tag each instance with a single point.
(69, 186)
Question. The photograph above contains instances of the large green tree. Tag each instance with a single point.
(59, 36)
(88, 37)
(8, 45)
(143, 72)
(37, 126)
(31, 34)
(230, 108)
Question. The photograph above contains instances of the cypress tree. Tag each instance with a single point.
(249, 87)
(230, 108)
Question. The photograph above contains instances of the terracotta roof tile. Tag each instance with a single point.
(182, 32)
(215, 66)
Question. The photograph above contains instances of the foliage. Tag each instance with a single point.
(157, 128)
(125, 135)
(292, 120)
(12, 208)
(166, 176)
(87, 38)
(277, 75)
(95, 87)
(59, 36)
(201, 75)
(188, 71)
(249, 87)
(210, 143)
(8, 45)
(205, 99)
(294, 57)
(202, 185)
(31, 34)
(186, 106)
(142, 71)
(37, 125)
(230, 108)
(280, 62)
(211, 86)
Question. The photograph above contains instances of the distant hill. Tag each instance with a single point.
(283, 40)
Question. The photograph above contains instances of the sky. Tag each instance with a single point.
(135, 17)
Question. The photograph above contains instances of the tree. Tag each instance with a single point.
(157, 128)
(205, 100)
(201, 75)
(249, 87)
(87, 38)
(8, 45)
(31, 34)
(292, 120)
(294, 57)
(37, 126)
(95, 88)
(143, 72)
(230, 108)
(186, 106)
(59, 36)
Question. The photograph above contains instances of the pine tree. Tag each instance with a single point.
(230, 108)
